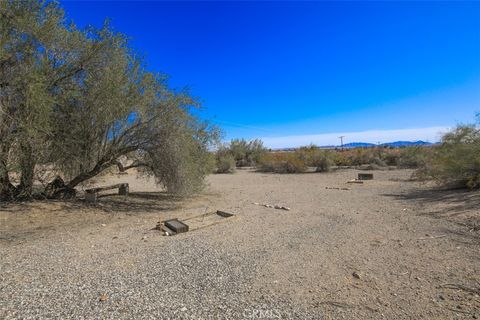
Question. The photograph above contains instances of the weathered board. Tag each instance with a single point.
(91, 195)
(224, 214)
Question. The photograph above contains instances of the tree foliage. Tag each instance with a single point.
(81, 101)
(245, 153)
(456, 161)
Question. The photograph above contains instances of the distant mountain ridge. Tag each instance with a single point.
(351, 145)
(394, 144)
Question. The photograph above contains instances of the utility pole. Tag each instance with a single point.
(341, 141)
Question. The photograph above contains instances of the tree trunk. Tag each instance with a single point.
(101, 165)
(27, 166)
(7, 189)
(90, 174)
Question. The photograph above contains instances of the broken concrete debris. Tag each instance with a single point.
(355, 181)
(272, 206)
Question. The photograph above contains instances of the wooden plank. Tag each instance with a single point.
(115, 186)
(224, 214)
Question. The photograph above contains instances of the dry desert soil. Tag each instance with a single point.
(390, 248)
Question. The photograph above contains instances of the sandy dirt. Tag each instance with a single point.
(388, 249)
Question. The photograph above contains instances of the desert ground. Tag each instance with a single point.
(391, 248)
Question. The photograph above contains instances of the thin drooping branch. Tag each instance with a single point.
(123, 168)
(106, 162)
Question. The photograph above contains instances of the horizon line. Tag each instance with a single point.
(427, 134)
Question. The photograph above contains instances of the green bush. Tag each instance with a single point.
(456, 161)
(412, 157)
(245, 153)
(225, 163)
(282, 163)
(322, 160)
(376, 161)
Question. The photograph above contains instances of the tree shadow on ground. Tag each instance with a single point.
(459, 206)
(37, 219)
(134, 203)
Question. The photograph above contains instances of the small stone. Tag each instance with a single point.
(355, 275)
(441, 297)
(104, 225)
(103, 298)
(183, 309)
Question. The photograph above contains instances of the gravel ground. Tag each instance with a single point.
(387, 249)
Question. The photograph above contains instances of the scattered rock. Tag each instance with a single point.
(272, 206)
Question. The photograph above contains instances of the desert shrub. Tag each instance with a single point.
(456, 161)
(282, 163)
(341, 158)
(391, 156)
(312, 156)
(412, 157)
(322, 160)
(225, 163)
(361, 156)
(245, 153)
(376, 161)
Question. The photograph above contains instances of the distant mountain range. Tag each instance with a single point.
(394, 144)
(351, 145)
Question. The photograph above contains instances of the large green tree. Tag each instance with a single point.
(80, 101)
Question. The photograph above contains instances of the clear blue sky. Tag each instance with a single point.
(276, 69)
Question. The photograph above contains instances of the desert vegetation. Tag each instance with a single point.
(456, 161)
(225, 162)
(75, 102)
(323, 160)
(238, 153)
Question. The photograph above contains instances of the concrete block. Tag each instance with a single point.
(176, 225)
(365, 176)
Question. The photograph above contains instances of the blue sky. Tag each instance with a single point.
(373, 71)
